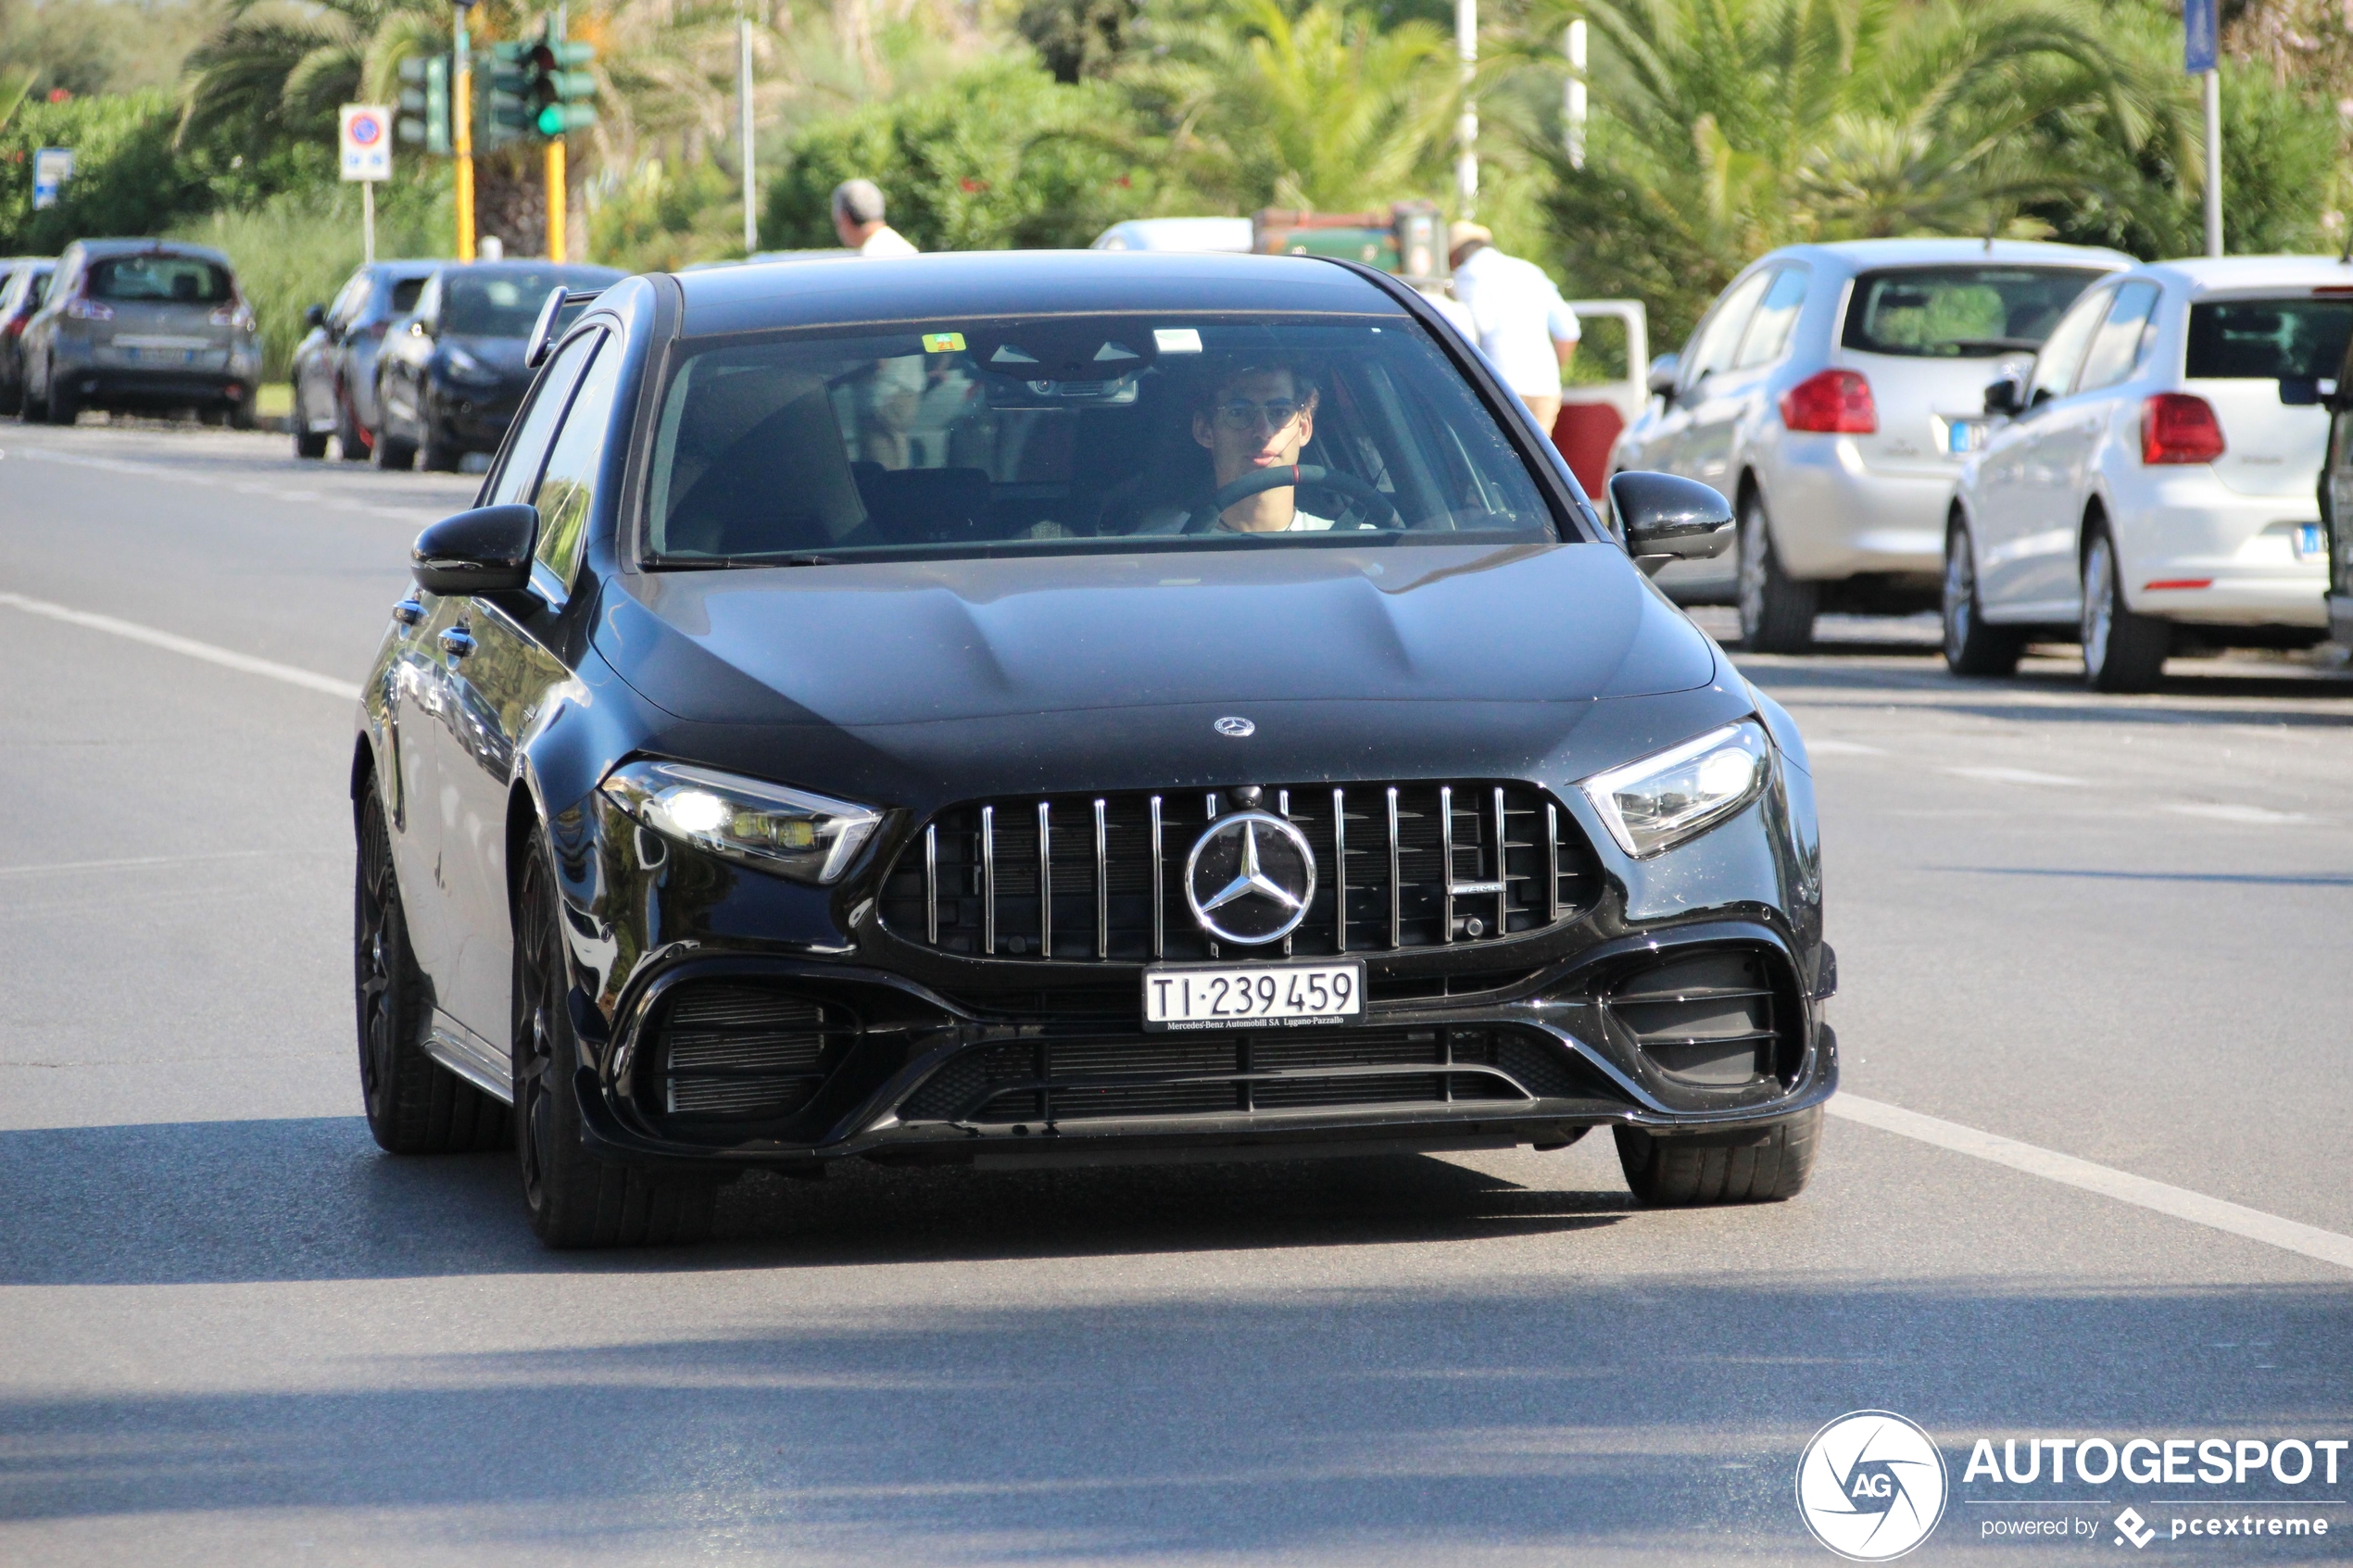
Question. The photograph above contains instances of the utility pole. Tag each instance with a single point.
(743, 112)
(1466, 127)
(461, 129)
(2201, 56)
(1573, 107)
(555, 161)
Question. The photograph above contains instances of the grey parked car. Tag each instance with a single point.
(335, 368)
(1832, 392)
(142, 324)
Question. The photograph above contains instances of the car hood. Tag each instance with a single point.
(863, 645)
(503, 355)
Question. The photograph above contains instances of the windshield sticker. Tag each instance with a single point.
(1176, 340)
(943, 342)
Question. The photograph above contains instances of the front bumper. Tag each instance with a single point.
(474, 419)
(929, 1076)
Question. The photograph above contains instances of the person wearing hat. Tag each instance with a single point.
(857, 218)
(1520, 322)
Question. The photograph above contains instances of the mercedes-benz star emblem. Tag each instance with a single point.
(1235, 728)
(1250, 878)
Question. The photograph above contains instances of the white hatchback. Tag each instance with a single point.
(1832, 392)
(2156, 475)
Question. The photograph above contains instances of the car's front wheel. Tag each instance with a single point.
(1757, 1165)
(1776, 611)
(2122, 651)
(1972, 647)
(575, 1198)
(414, 1104)
(308, 444)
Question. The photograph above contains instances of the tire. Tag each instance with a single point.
(241, 416)
(575, 1198)
(1763, 1165)
(435, 454)
(11, 397)
(306, 443)
(30, 410)
(1972, 647)
(63, 406)
(351, 442)
(1776, 611)
(414, 1104)
(2122, 651)
(392, 456)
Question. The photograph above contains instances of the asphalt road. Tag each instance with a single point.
(2109, 933)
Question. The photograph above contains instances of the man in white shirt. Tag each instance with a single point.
(1524, 327)
(857, 218)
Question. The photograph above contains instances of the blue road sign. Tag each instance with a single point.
(2198, 43)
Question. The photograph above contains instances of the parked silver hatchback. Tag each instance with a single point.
(142, 324)
(1832, 392)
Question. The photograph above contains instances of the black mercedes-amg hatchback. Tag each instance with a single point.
(1061, 708)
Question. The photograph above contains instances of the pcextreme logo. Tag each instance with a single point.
(1871, 1485)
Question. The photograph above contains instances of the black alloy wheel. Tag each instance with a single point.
(414, 1104)
(1776, 611)
(2122, 651)
(575, 1198)
(1972, 647)
(1759, 1165)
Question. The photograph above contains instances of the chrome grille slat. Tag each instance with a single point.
(1459, 865)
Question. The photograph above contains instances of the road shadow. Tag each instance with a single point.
(1356, 1422)
(313, 1199)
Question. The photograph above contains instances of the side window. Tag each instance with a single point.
(348, 304)
(568, 489)
(1776, 317)
(1722, 335)
(2116, 348)
(518, 475)
(2055, 366)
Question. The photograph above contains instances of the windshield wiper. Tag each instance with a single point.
(717, 563)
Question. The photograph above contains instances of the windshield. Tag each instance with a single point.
(503, 304)
(1080, 434)
(164, 280)
(2269, 339)
(1952, 312)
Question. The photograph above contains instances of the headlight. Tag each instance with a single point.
(1661, 801)
(465, 367)
(789, 831)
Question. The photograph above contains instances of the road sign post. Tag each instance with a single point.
(364, 142)
(51, 167)
(2201, 51)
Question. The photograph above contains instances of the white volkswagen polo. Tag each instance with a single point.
(2153, 478)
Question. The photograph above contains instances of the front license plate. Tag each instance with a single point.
(2309, 543)
(1282, 996)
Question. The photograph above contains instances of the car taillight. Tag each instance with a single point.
(2179, 428)
(1832, 402)
(13, 327)
(89, 311)
(233, 314)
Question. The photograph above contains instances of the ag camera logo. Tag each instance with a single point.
(1871, 1485)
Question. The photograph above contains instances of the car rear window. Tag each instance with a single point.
(2268, 339)
(1039, 435)
(404, 293)
(166, 279)
(1960, 312)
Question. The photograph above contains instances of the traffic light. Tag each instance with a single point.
(425, 104)
(512, 74)
(565, 88)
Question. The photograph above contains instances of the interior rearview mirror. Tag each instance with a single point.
(486, 550)
(1669, 518)
(1663, 371)
(2006, 395)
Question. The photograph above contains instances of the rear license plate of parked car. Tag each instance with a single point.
(1284, 995)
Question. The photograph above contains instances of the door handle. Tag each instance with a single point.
(409, 612)
(457, 642)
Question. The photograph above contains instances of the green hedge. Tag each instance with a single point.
(127, 180)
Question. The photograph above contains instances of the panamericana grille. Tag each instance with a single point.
(1710, 1018)
(1165, 1075)
(1100, 878)
(742, 1051)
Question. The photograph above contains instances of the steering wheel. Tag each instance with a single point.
(1305, 475)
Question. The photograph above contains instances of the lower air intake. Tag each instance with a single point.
(741, 1052)
(1710, 1018)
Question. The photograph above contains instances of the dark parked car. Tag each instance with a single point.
(28, 282)
(1065, 707)
(448, 380)
(334, 367)
(142, 324)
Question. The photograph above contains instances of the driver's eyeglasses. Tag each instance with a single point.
(1243, 415)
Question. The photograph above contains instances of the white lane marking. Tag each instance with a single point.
(2065, 1169)
(228, 658)
(2016, 776)
(1842, 748)
(2255, 814)
(63, 868)
(413, 516)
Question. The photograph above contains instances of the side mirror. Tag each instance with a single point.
(1663, 373)
(1668, 518)
(314, 316)
(486, 550)
(2006, 396)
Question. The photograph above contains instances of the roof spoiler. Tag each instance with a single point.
(541, 341)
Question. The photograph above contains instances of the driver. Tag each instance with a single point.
(1259, 417)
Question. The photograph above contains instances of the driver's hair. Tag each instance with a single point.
(1221, 376)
